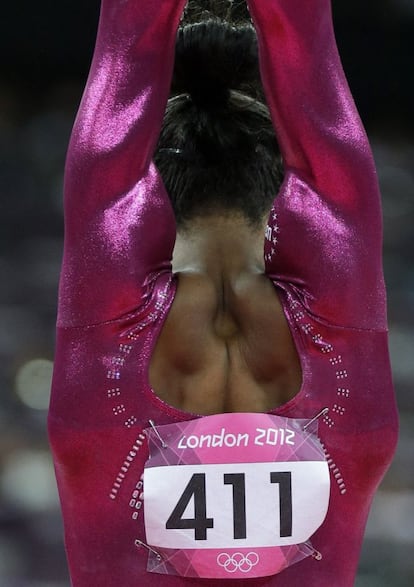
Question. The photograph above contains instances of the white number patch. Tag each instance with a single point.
(235, 505)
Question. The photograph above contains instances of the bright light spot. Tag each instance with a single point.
(10, 558)
(391, 517)
(33, 383)
(397, 186)
(28, 481)
(402, 352)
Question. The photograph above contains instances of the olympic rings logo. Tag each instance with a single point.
(238, 561)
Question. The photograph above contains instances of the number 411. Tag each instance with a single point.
(196, 489)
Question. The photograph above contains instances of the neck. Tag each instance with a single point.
(220, 246)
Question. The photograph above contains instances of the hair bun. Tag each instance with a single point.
(212, 58)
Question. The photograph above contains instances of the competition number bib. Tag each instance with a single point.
(233, 495)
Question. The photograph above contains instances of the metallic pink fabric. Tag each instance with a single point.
(322, 251)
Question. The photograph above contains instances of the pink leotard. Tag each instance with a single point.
(322, 251)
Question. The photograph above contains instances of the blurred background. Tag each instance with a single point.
(46, 49)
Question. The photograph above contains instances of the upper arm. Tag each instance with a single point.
(329, 227)
(119, 225)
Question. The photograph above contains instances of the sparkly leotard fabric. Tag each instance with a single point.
(322, 251)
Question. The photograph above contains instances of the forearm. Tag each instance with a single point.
(318, 127)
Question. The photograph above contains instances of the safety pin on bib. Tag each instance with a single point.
(317, 555)
(311, 551)
(140, 543)
(321, 413)
(163, 443)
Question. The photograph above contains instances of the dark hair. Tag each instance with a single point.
(217, 151)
